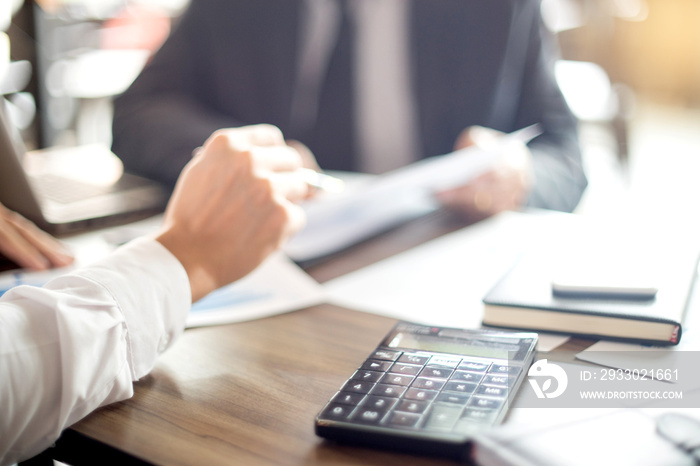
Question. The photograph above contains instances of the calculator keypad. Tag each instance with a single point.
(424, 392)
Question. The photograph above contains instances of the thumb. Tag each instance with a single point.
(477, 136)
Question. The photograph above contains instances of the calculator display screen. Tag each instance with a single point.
(452, 345)
(451, 341)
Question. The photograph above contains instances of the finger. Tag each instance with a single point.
(296, 219)
(508, 188)
(307, 157)
(462, 195)
(464, 139)
(479, 198)
(51, 249)
(505, 200)
(261, 135)
(484, 137)
(17, 249)
(232, 140)
(485, 198)
(493, 189)
(290, 185)
(277, 159)
(477, 136)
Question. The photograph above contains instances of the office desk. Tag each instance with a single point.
(248, 393)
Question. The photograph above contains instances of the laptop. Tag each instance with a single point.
(60, 201)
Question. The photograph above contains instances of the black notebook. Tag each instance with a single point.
(524, 299)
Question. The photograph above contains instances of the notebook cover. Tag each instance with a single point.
(528, 286)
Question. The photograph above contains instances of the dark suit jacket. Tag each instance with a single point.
(233, 62)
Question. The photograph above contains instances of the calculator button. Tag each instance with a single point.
(473, 366)
(414, 358)
(397, 379)
(420, 395)
(461, 387)
(486, 403)
(485, 416)
(452, 398)
(375, 365)
(336, 412)
(410, 406)
(498, 380)
(503, 369)
(436, 372)
(499, 392)
(393, 391)
(406, 369)
(348, 398)
(386, 355)
(442, 417)
(357, 386)
(430, 384)
(378, 402)
(444, 361)
(398, 419)
(466, 376)
(467, 426)
(368, 416)
(367, 376)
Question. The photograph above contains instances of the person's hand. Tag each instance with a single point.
(503, 187)
(308, 160)
(233, 205)
(27, 246)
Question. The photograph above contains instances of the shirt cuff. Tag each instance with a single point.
(152, 290)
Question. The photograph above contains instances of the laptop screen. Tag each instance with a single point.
(15, 189)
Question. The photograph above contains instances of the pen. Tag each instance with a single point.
(525, 134)
(322, 181)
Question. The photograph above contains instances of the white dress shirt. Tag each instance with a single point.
(80, 342)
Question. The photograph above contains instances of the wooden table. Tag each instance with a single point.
(248, 393)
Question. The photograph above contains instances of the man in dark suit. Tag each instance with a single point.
(470, 63)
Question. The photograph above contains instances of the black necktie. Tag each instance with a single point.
(333, 138)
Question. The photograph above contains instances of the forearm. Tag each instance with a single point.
(79, 342)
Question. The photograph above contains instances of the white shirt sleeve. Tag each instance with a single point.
(79, 342)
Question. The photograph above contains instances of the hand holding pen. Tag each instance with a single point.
(310, 173)
(505, 186)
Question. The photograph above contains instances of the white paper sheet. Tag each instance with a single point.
(276, 286)
(339, 221)
(442, 282)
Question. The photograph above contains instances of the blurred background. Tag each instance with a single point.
(630, 70)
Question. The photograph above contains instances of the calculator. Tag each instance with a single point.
(429, 390)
